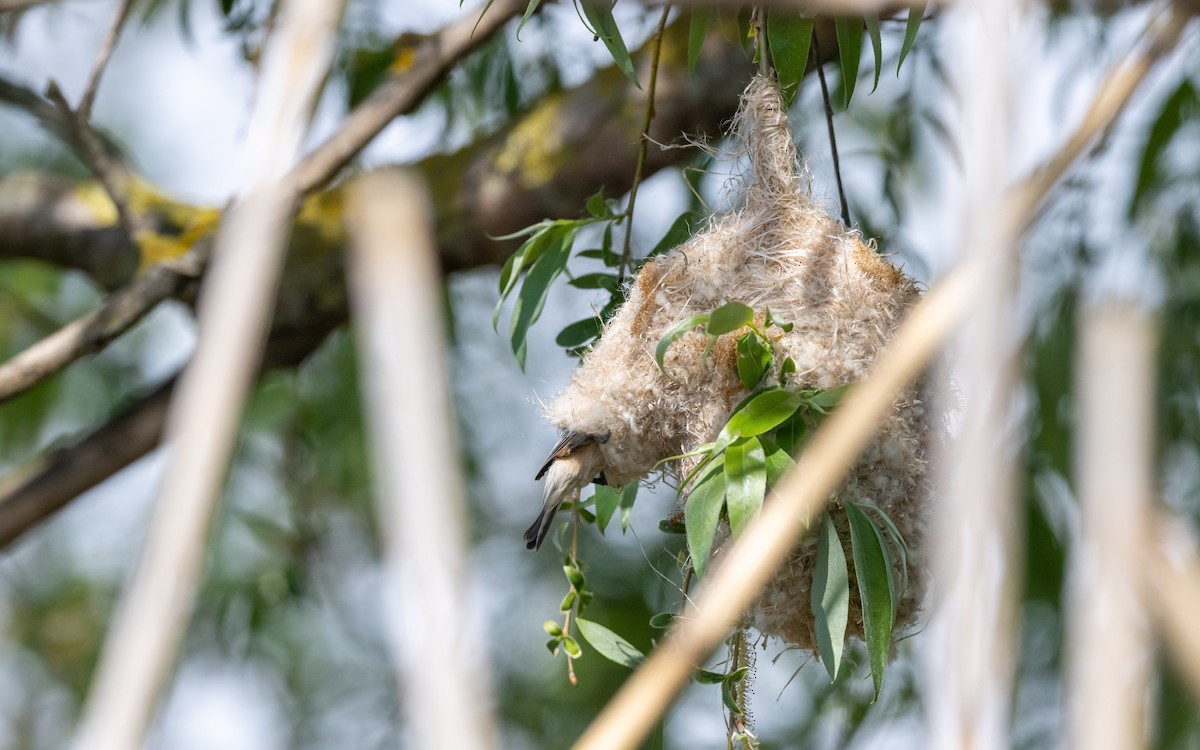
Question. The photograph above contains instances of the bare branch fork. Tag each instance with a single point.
(804, 491)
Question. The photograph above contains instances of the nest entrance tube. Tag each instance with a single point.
(777, 250)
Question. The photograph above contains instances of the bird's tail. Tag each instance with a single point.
(558, 487)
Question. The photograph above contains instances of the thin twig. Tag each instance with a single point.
(95, 330)
(802, 493)
(643, 143)
(84, 110)
(833, 149)
(394, 280)
(233, 317)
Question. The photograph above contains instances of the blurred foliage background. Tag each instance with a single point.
(287, 645)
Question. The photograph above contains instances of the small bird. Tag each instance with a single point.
(575, 461)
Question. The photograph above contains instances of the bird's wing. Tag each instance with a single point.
(566, 445)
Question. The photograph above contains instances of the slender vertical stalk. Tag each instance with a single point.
(1115, 476)
(975, 562)
(233, 314)
(396, 301)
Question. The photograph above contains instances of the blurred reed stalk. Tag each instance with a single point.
(233, 314)
(395, 291)
(975, 563)
(1110, 652)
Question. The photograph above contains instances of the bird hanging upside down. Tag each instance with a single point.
(574, 462)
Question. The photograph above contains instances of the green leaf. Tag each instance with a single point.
(697, 32)
(830, 594)
(1180, 106)
(787, 369)
(579, 333)
(736, 675)
(849, 37)
(605, 281)
(763, 412)
(607, 502)
(825, 400)
(792, 434)
(873, 569)
(676, 332)
(915, 14)
(789, 38)
(872, 23)
(679, 231)
(568, 601)
(753, 359)
(730, 317)
(706, 677)
(572, 648)
(599, 15)
(777, 460)
(786, 327)
(597, 206)
(529, 10)
(610, 645)
(901, 545)
(728, 698)
(745, 482)
(553, 644)
(662, 620)
(702, 512)
(628, 495)
(552, 628)
(575, 577)
(532, 297)
(528, 253)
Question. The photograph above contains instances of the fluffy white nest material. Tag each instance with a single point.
(779, 250)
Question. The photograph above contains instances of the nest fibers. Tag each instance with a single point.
(778, 250)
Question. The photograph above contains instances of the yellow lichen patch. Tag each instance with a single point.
(99, 205)
(533, 150)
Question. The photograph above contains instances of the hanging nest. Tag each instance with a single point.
(777, 249)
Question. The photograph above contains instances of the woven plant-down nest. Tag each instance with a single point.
(777, 249)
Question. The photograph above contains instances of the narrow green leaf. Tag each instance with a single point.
(777, 460)
(901, 545)
(628, 495)
(753, 359)
(825, 400)
(745, 482)
(873, 569)
(789, 39)
(607, 502)
(1179, 107)
(679, 231)
(871, 21)
(526, 255)
(610, 645)
(706, 677)
(529, 10)
(729, 317)
(662, 620)
(736, 675)
(599, 15)
(849, 38)
(915, 14)
(729, 699)
(579, 333)
(532, 297)
(605, 281)
(697, 32)
(830, 597)
(676, 332)
(763, 412)
(702, 512)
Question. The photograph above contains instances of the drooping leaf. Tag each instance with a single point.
(915, 14)
(729, 699)
(529, 10)
(873, 569)
(599, 15)
(729, 317)
(789, 38)
(753, 359)
(872, 23)
(763, 412)
(676, 332)
(579, 333)
(1182, 105)
(609, 644)
(901, 545)
(702, 512)
(532, 297)
(745, 482)
(525, 256)
(830, 597)
(605, 281)
(697, 32)
(607, 502)
(849, 38)
(628, 495)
